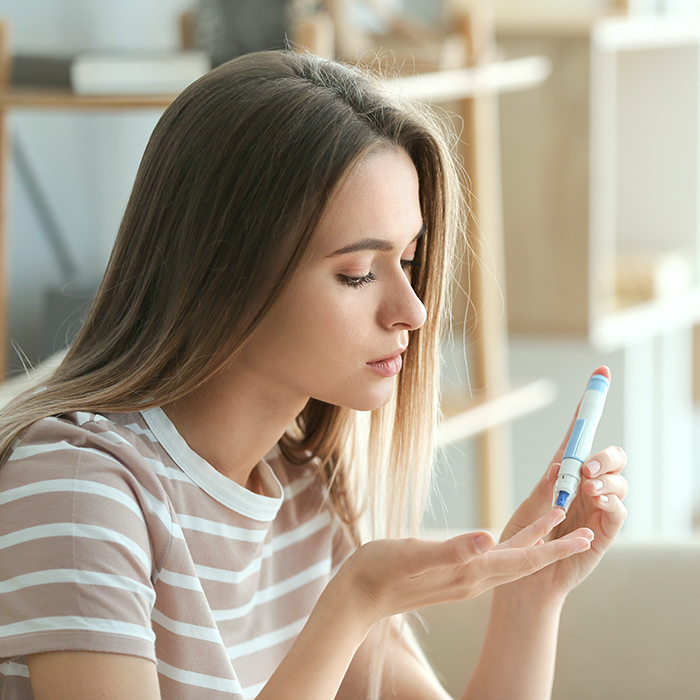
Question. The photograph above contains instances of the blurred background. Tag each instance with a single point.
(579, 126)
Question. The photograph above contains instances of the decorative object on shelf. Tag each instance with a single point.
(124, 73)
(230, 28)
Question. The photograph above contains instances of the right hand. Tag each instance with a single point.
(398, 575)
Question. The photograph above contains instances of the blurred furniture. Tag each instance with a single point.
(631, 631)
(601, 175)
(12, 99)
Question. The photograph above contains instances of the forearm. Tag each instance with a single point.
(518, 656)
(317, 662)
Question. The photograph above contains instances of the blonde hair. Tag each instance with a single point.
(230, 190)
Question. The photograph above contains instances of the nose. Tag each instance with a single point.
(402, 308)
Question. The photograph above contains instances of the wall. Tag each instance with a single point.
(85, 163)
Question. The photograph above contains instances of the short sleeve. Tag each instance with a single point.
(76, 547)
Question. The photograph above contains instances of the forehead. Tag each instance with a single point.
(378, 198)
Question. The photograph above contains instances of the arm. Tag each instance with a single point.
(524, 621)
(381, 579)
(82, 675)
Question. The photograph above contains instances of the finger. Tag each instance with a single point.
(611, 460)
(530, 535)
(511, 564)
(425, 555)
(609, 485)
(615, 513)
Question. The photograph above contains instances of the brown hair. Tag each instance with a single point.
(231, 187)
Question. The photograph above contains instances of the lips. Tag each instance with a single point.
(388, 366)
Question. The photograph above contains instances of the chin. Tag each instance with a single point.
(370, 401)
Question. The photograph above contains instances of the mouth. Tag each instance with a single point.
(388, 366)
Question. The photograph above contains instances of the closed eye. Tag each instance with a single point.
(357, 282)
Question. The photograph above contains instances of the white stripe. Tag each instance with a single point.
(190, 583)
(157, 507)
(91, 532)
(77, 576)
(279, 543)
(169, 473)
(83, 417)
(211, 527)
(70, 486)
(138, 430)
(302, 532)
(298, 486)
(200, 680)
(265, 641)
(24, 451)
(12, 668)
(210, 573)
(278, 590)
(79, 624)
(185, 629)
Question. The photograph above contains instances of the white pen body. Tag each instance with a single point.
(578, 448)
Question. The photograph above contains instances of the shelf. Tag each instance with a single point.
(464, 419)
(32, 98)
(618, 329)
(496, 77)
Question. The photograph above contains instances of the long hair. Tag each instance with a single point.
(231, 188)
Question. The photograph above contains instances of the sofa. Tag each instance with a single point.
(631, 631)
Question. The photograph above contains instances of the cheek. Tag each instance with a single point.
(314, 322)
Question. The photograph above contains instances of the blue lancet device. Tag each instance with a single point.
(578, 449)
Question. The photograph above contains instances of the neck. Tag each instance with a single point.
(232, 421)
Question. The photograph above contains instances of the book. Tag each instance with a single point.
(35, 70)
(122, 73)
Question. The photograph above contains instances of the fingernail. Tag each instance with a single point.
(584, 547)
(594, 467)
(482, 543)
(603, 499)
(597, 484)
(550, 472)
(560, 516)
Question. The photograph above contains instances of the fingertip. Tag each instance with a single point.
(584, 546)
(552, 472)
(483, 542)
(593, 467)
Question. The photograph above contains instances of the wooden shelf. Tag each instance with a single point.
(465, 419)
(33, 98)
(496, 77)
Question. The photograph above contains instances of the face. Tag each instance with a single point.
(338, 331)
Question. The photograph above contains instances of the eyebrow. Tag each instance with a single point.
(379, 244)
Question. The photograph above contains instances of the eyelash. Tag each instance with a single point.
(358, 282)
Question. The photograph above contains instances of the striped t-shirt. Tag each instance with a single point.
(116, 537)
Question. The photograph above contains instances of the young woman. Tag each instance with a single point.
(183, 501)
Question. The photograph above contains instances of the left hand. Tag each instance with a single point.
(598, 507)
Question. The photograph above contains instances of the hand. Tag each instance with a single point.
(598, 507)
(386, 577)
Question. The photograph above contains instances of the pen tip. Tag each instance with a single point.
(561, 500)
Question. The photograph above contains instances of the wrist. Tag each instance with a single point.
(524, 598)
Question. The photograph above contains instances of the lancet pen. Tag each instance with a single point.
(580, 442)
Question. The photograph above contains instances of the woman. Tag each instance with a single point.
(257, 379)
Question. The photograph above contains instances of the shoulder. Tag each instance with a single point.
(89, 469)
(81, 442)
